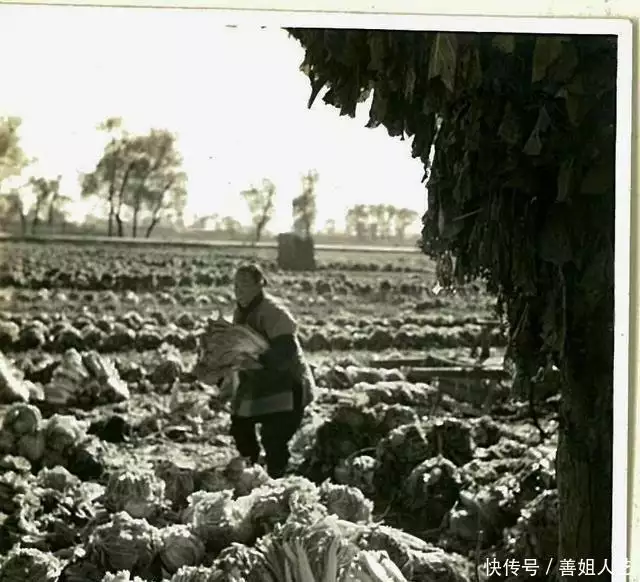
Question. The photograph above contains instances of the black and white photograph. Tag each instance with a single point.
(313, 297)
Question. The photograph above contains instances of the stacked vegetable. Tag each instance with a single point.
(85, 379)
(51, 442)
(222, 347)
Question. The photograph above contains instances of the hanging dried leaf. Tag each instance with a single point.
(575, 109)
(316, 87)
(505, 43)
(379, 103)
(598, 272)
(577, 86)
(410, 82)
(377, 48)
(496, 243)
(443, 60)
(600, 179)
(509, 130)
(533, 147)
(554, 244)
(469, 70)
(544, 120)
(565, 180)
(442, 223)
(453, 229)
(564, 66)
(462, 190)
(547, 49)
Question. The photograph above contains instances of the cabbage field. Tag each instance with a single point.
(415, 463)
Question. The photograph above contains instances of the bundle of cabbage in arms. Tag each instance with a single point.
(222, 347)
(85, 380)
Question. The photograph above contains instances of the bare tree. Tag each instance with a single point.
(142, 174)
(47, 194)
(304, 206)
(105, 179)
(261, 203)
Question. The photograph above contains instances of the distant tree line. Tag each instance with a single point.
(138, 182)
(375, 222)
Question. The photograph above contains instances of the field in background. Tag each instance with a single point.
(376, 426)
(186, 242)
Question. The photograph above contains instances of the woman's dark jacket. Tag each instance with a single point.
(285, 382)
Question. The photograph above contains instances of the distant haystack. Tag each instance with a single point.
(295, 252)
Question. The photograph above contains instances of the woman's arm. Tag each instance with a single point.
(281, 351)
(280, 328)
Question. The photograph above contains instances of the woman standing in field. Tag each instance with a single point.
(275, 392)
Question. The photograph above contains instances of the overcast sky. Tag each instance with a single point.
(235, 97)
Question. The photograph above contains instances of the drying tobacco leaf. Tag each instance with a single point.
(548, 49)
(444, 58)
(505, 43)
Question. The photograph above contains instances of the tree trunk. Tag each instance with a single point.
(584, 457)
(36, 219)
(134, 225)
(155, 216)
(112, 212)
(23, 223)
(119, 223)
(258, 233)
(52, 208)
(584, 461)
(154, 221)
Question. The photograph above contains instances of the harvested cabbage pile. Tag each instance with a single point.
(30, 565)
(123, 576)
(180, 547)
(325, 550)
(218, 519)
(12, 386)
(85, 380)
(124, 543)
(48, 442)
(138, 492)
(221, 348)
(348, 503)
